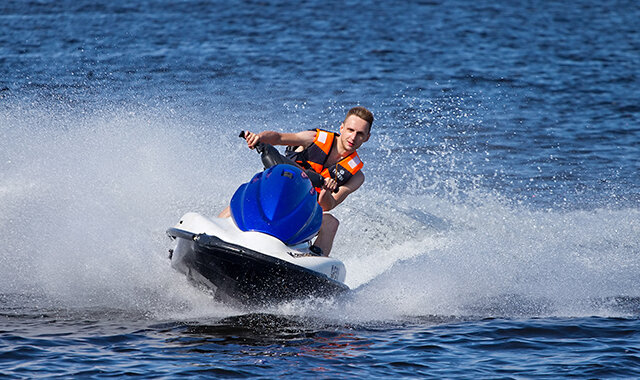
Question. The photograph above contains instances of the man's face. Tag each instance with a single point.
(353, 132)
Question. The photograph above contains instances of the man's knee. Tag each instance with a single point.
(330, 222)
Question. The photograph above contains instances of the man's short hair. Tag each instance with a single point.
(362, 113)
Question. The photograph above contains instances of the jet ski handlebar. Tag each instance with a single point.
(271, 157)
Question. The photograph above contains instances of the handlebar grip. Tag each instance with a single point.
(316, 179)
(259, 146)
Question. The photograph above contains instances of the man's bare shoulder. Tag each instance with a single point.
(354, 182)
(358, 177)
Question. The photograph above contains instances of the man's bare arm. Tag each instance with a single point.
(304, 138)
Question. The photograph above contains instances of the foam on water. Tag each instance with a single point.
(497, 260)
(85, 198)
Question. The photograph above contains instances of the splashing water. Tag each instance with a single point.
(85, 199)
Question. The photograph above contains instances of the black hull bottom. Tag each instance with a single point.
(240, 275)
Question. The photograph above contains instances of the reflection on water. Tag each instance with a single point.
(271, 335)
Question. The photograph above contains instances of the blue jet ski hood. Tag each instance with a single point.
(280, 202)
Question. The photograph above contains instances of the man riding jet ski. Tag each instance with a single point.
(333, 156)
(262, 253)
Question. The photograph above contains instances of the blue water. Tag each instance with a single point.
(497, 234)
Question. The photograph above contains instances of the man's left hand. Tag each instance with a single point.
(330, 184)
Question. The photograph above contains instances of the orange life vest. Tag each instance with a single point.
(316, 155)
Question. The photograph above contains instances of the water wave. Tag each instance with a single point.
(86, 197)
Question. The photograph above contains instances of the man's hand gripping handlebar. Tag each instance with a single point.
(271, 157)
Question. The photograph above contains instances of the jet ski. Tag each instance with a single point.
(262, 254)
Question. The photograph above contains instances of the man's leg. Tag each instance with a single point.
(326, 234)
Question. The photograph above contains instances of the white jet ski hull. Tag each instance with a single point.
(250, 267)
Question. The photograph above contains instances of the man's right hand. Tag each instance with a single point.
(252, 139)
